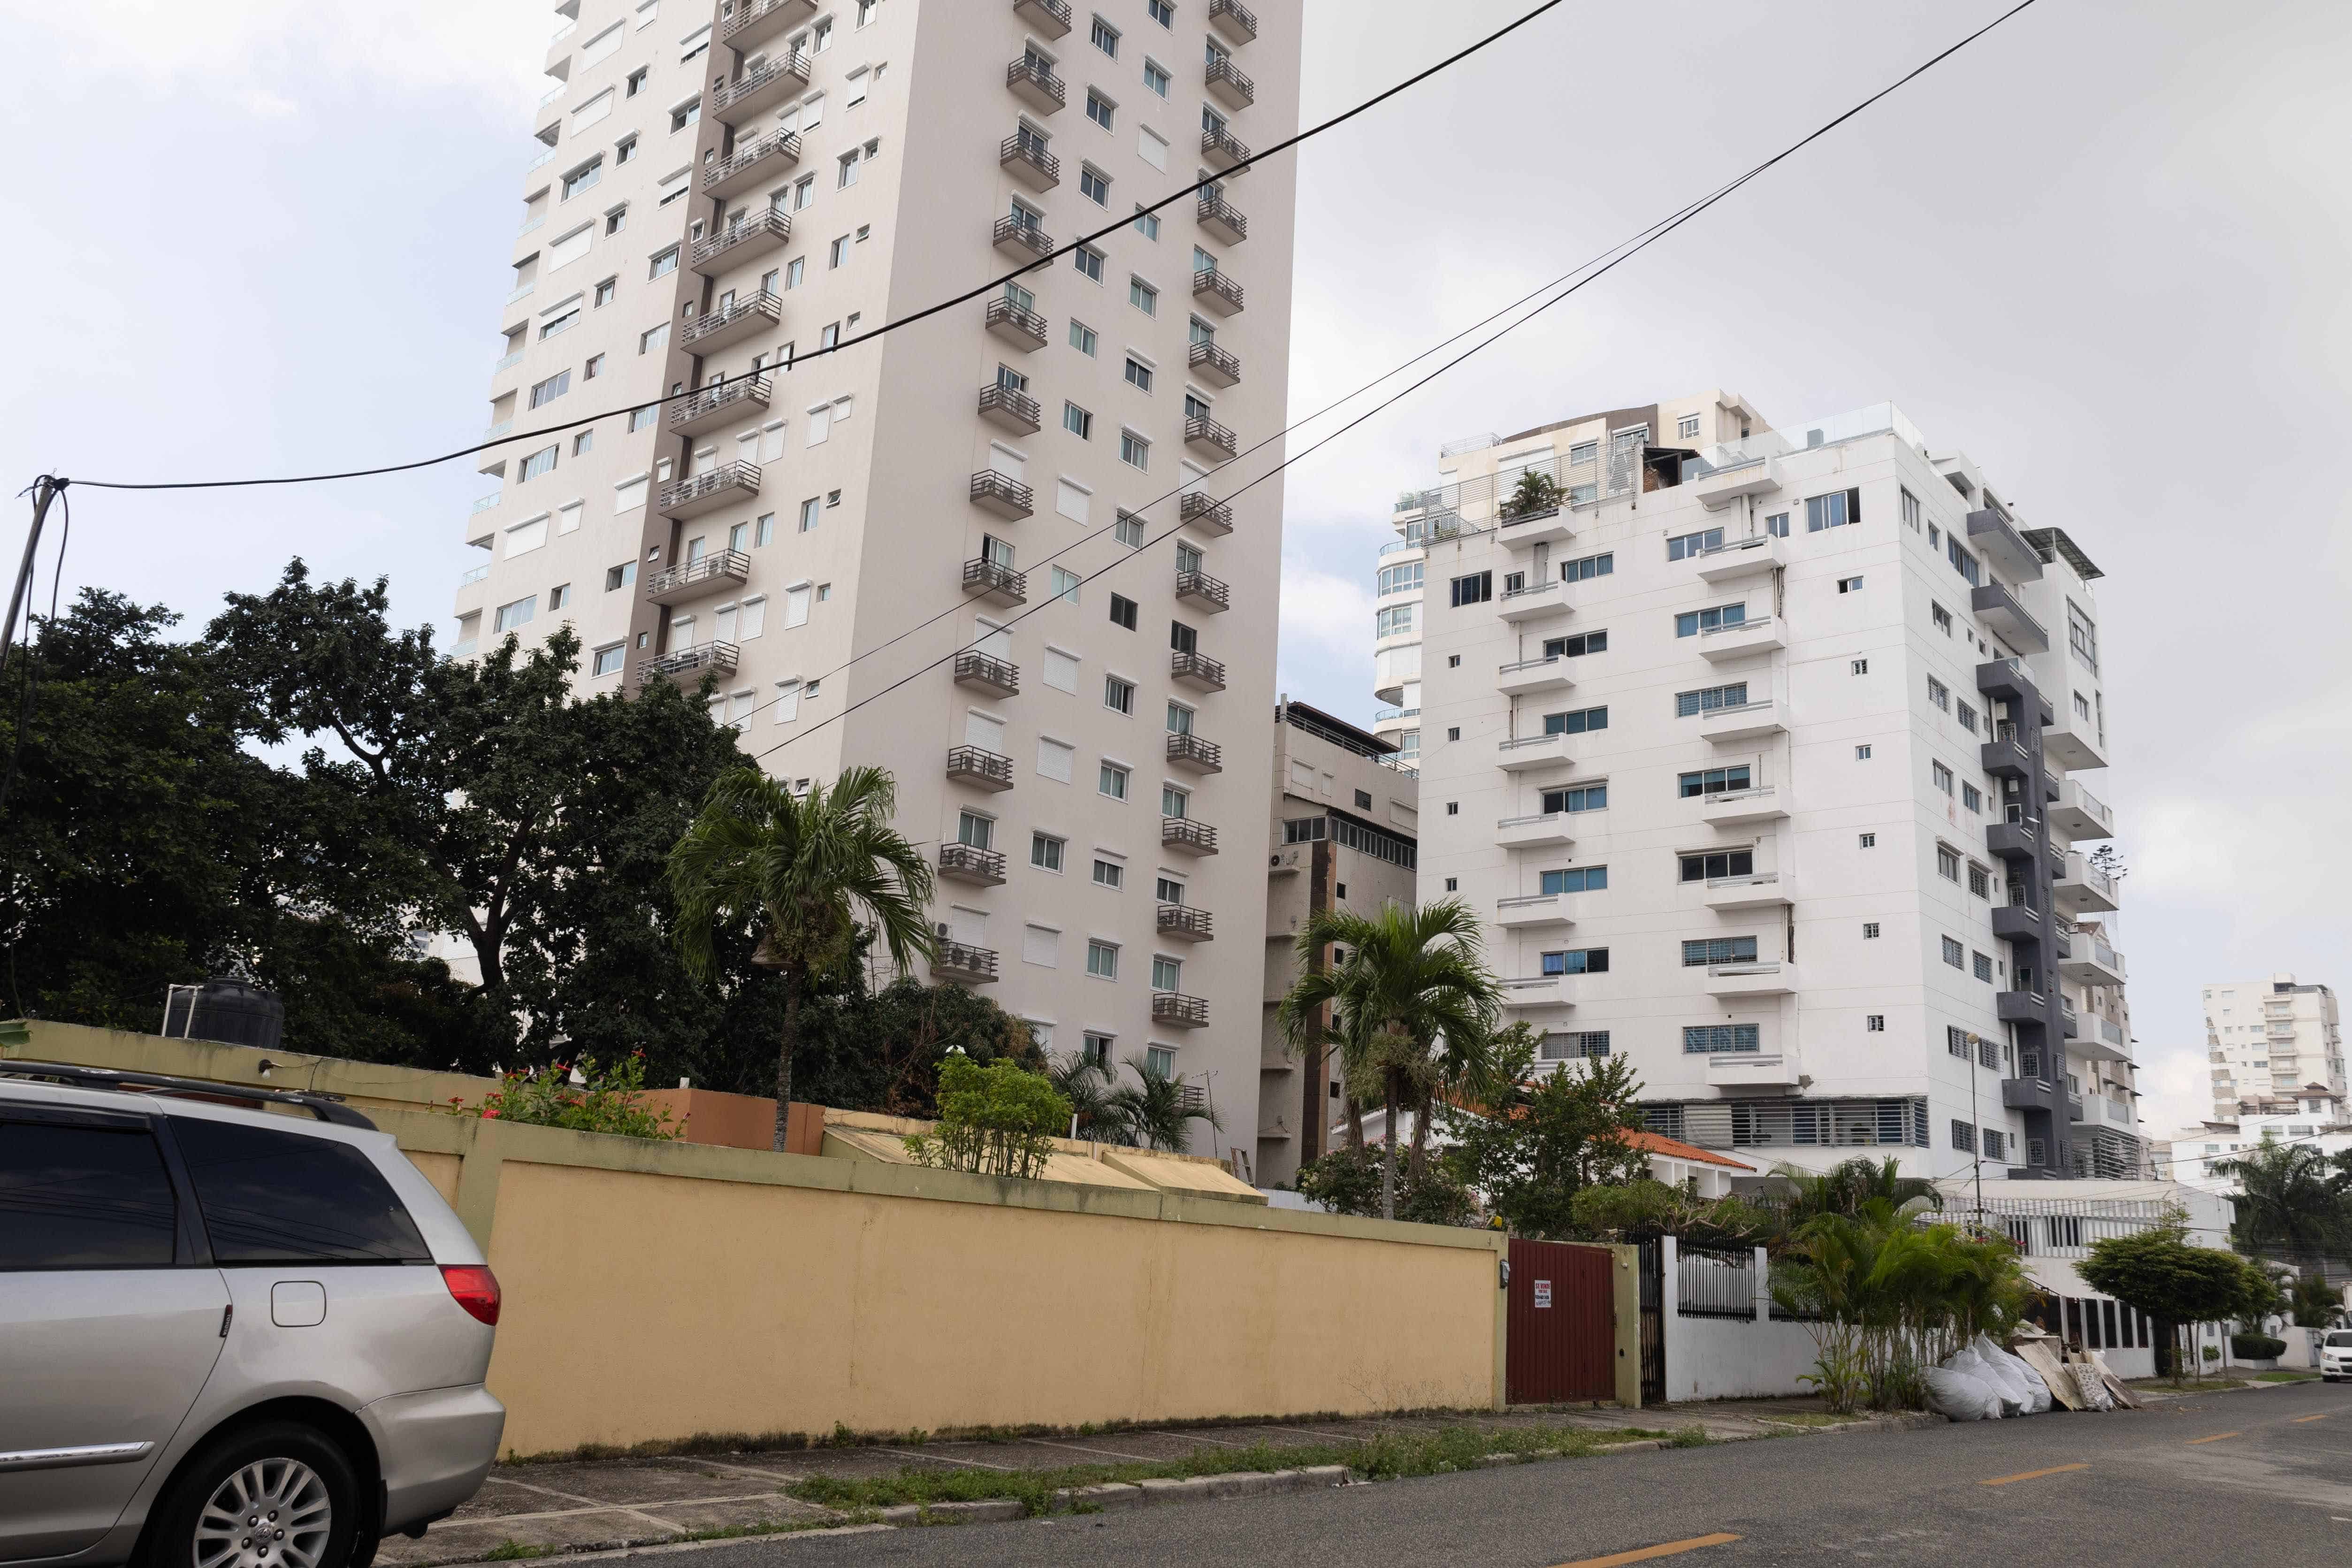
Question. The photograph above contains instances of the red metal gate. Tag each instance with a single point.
(1563, 1322)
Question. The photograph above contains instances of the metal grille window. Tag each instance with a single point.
(1715, 1281)
(1996, 1147)
(1704, 1039)
(1716, 781)
(1723, 863)
(1709, 699)
(1980, 881)
(1955, 1041)
(1574, 1043)
(1939, 694)
(1707, 951)
(1982, 966)
(1954, 953)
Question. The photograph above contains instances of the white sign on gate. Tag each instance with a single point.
(1543, 1293)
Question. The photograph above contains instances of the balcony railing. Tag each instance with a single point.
(970, 863)
(508, 362)
(714, 404)
(1206, 512)
(1222, 218)
(1200, 430)
(994, 580)
(484, 503)
(1234, 19)
(1189, 751)
(1002, 494)
(1012, 409)
(1215, 366)
(777, 150)
(1051, 18)
(1185, 834)
(754, 90)
(1223, 149)
(1021, 152)
(1207, 590)
(705, 491)
(1186, 923)
(1020, 235)
(717, 656)
(1183, 1011)
(1217, 291)
(755, 21)
(690, 579)
(1197, 669)
(1035, 83)
(974, 667)
(1227, 81)
(732, 323)
(957, 961)
(1010, 321)
(978, 765)
(473, 576)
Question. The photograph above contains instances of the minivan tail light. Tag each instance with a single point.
(474, 1287)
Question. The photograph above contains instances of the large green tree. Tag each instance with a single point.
(2160, 1272)
(1542, 1138)
(2291, 1202)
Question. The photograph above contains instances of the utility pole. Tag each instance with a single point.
(1976, 1114)
(46, 488)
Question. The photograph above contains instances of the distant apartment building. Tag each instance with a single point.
(1765, 753)
(1346, 832)
(2314, 1116)
(2270, 1044)
(723, 191)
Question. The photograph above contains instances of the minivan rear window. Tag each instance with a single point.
(282, 1197)
(83, 1197)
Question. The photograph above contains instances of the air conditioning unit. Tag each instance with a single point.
(1286, 860)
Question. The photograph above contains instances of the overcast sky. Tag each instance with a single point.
(2104, 251)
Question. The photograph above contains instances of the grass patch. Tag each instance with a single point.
(1388, 1456)
(512, 1550)
(1688, 1437)
(2286, 1377)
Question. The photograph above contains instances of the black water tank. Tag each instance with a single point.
(229, 1011)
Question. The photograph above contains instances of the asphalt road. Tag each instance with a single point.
(2230, 1478)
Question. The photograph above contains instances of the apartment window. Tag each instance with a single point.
(1966, 715)
(1155, 78)
(1577, 960)
(1982, 966)
(1089, 261)
(1849, 584)
(1082, 338)
(1964, 563)
(1683, 546)
(605, 292)
(1098, 110)
(1397, 579)
(865, 9)
(1134, 450)
(625, 575)
(1576, 721)
(1143, 297)
(1910, 509)
(1477, 588)
(1095, 186)
(1874, 1023)
(1394, 621)
(1111, 781)
(1955, 1041)
(1139, 375)
(1996, 1147)
(1064, 585)
(1858, 666)
(689, 114)
(1577, 798)
(580, 178)
(653, 340)
(540, 462)
(1964, 1136)
(2083, 636)
(1939, 776)
(1955, 954)
(803, 192)
(1870, 931)
(1947, 863)
(1129, 531)
(1077, 422)
(1705, 1039)
(1106, 38)
(1972, 797)
(583, 442)
(1575, 880)
(1941, 616)
(609, 660)
(1102, 959)
(1147, 224)
(553, 387)
(1705, 951)
(1861, 752)
(1118, 696)
(516, 614)
(1939, 694)
(1122, 611)
(1686, 428)
(1868, 841)
(1162, 13)
(1715, 617)
(1109, 874)
(1709, 699)
(1835, 509)
(1576, 647)
(1718, 863)
(1716, 781)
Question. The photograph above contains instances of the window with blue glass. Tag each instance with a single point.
(1700, 1039)
(1576, 721)
(1584, 566)
(1576, 647)
(1834, 509)
(1718, 780)
(1581, 797)
(1576, 880)
(1577, 960)
(1690, 623)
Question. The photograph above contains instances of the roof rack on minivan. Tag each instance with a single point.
(325, 1107)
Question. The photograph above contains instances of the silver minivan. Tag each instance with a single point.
(237, 1328)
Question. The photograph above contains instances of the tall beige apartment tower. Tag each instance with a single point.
(724, 191)
(2272, 1043)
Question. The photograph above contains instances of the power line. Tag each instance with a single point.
(892, 326)
(1626, 252)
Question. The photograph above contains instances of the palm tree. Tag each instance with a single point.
(1156, 1112)
(807, 871)
(1412, 1007)
(2289, 1202)
(1087, 1086)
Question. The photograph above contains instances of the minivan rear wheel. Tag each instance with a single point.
(278, 1495)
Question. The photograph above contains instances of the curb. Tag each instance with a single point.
(1199, 1489)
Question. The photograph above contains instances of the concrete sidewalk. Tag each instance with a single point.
(534, 1510)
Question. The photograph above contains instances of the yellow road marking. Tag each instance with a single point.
(1671, 1549)
(2321, 1417)
(2214, 1438)
(2033, 1475)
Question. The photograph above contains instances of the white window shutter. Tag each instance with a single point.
(796, 607)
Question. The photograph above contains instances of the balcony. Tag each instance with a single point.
(1540, 830)
(1222, 150)
(1233, 20)
(758, 89)
(972, 965)
(2032, 1094)
(2030, 1009)
(745, 318)
(754, 22)
(726, 485)
(995, 583)
(1222, 219)
(1533, 601)
(1051, 18)
(1529, 909)
(1549, 525)
(1532, 751)
(1719, 487)
(2074, 744)
(765, 159)
(1193, 754)
(1023, 238)
(1207, 592)
(1217, 293)
(1527, 676)
(472, 575)
(2005, 757)
(1738, 807)
(2009, 679)
(1209, 438)
(1027, 160)
(2079, 813)
(1736, 1070)
(2019, 840)
(1182, 1012)
(1182, 922)
(2084, 888)
(1201, 510)
(717, 656)
(2092, 961)
(1228, 85)
(1024, 330)
(1764, 890)
(1539, 991)
(2001, 611)
(970, 863)
(719, 404)
(1009, 409)
(2017, 922)
(1770, 978)
(978, 767)
(691, 579)
(1754, 557)
(998, 677)
(1997, 540)
(1748, 721)
(1197, 670)
(1033, 81)
(1762, 634)
(1003, 495)
(1187, 836)
(1213, 366)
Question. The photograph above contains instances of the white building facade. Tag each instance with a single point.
(729, 187)
(1769, 756)
(2314, 1119)
(2269, 1043)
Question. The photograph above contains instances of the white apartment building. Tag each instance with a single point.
(1765, 754)
(727, 187)
(2269, 1043)
(2315, 1116)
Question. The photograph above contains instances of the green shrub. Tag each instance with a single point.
(605, 1103)
(1348, 1181)
(996, 1119)
(1537, 492)
(2256, 1347)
